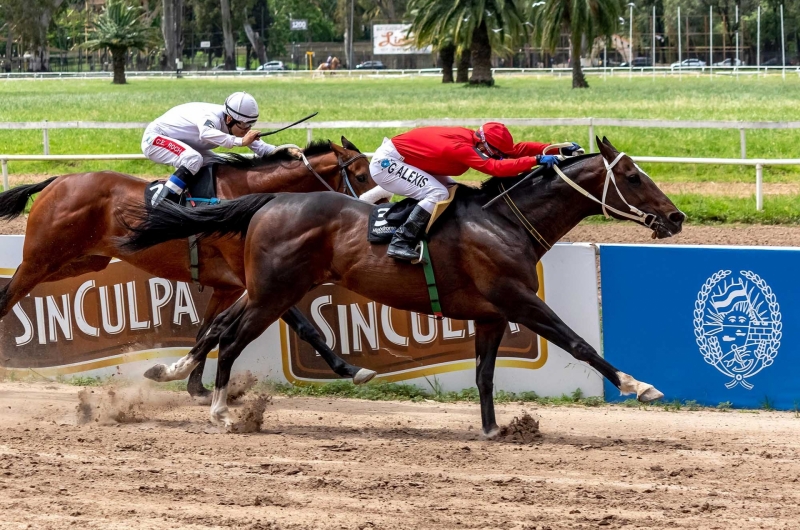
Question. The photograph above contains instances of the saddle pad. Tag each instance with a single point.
(203, 186)
(386, 218)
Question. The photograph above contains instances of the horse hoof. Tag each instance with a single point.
(364, 376)
(492, 434)
(651, 394)
(157, 373)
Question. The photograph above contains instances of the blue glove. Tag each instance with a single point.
(547, 160)
(572, 150)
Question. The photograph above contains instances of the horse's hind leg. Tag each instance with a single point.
(256, 318)
(197, 355)
(307, 332)
(220, 301)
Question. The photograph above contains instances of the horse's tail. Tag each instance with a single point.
(14, 201)
(169, 221)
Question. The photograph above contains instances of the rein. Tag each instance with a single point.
(342, 167)
(646, 219)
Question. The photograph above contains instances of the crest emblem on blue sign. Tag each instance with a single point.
(737, 325)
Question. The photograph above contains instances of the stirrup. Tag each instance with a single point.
(420, 249)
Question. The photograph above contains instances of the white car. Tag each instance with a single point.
(271, 66)
(688, 63)
(730, 62)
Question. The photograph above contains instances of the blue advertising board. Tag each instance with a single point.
(710, 324)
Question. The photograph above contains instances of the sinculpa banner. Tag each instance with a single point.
(709, 324)
(117, 321)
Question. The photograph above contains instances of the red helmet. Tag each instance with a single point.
(495, 137)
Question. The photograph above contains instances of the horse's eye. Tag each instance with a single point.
(634, 179)
(361, 178)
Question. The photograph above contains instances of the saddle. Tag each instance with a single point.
(202, 191)
(386, 218)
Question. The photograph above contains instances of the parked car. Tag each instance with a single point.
(688, 63)
(370, 65)
(775, 61)
(271, 66)
(638, 62)
(730, 62)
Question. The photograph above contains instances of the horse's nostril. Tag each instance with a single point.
(677, 217)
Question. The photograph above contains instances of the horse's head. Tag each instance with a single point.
(354, 167)
(632, 191)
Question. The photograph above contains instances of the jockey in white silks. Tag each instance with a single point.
(185, 135)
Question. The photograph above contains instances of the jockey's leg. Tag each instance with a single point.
(164, 150)
(394, 175)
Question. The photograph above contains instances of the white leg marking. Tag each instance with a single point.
(219, 408)
(644, 392)
(179, 370)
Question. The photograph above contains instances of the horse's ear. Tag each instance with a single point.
(606, 149)
(347, 144)
(608, 143)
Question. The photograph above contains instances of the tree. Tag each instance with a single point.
(120, 27)
(482, 26)
(227, 34)
(581, 19)
(172, 30)
(30, 20)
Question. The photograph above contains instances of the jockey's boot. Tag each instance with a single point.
(176, 183)
(406, 237)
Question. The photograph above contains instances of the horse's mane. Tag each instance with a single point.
(491, 185)
(239, 161)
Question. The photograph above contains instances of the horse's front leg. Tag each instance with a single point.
(524, 307)
(488, 335)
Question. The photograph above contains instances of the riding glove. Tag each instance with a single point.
(572, 150)
(547, 160)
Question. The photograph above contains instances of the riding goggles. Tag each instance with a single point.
(489, 151)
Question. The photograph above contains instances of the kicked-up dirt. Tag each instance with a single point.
(347, 464)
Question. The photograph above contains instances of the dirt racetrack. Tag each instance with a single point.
(324, 463)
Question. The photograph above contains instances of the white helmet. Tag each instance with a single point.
(242, 107)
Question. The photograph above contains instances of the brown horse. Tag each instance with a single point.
(75, 219)
(333, 65)
(485, 259)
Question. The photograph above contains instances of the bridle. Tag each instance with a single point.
(346, 187)
(645, 219)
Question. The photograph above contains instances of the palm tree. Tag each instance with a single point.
(120, 27)
(587, 19)
(478, 25)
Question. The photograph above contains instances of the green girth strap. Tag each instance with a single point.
(430, 280)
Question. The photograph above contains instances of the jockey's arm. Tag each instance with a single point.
(527, 149)
(261, 148)
(509, 167)
(209, 132)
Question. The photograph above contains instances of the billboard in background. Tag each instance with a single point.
(98, 316)
(709, 324)
(392, 39)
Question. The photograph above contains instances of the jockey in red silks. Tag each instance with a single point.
(420, 162)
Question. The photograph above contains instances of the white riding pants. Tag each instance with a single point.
(390, 172)
(165, 150)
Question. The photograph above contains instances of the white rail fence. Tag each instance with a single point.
(590, 123)
(624, 71)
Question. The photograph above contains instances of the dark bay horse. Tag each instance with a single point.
(485, 260)
(75, 219)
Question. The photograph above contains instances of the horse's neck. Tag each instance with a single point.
(553, 208)
(291, 176)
